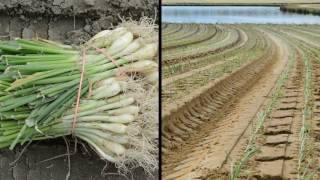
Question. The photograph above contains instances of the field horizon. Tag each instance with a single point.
(237, 3)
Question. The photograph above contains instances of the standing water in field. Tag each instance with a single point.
(234, 14)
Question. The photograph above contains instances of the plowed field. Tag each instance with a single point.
(240, 101)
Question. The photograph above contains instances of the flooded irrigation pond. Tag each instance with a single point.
(234, 14)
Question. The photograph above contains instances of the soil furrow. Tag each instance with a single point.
(208, 147)
(315, 131)
(229, 45)
(255, 100)
(260, 121)
(279, 142)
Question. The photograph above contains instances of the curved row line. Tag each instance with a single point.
(204, 32)
(181, 87)
(186, 147)
(245, 44)
(223, 38)
(171, 29)
(181, 128)
(186, 31)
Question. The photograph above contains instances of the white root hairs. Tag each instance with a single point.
(142, 149)
(143, 132)
(145, 28)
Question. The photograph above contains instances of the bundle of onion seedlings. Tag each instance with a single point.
(103, 92)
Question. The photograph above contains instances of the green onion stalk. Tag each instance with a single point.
(117, 110)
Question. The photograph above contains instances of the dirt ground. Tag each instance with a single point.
(71, 22)
(245, 123)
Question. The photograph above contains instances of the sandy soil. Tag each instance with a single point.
(171, 79)
(279, 143)
(209, 149)
(204, 136)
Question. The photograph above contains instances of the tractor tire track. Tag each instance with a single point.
(191, 147)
